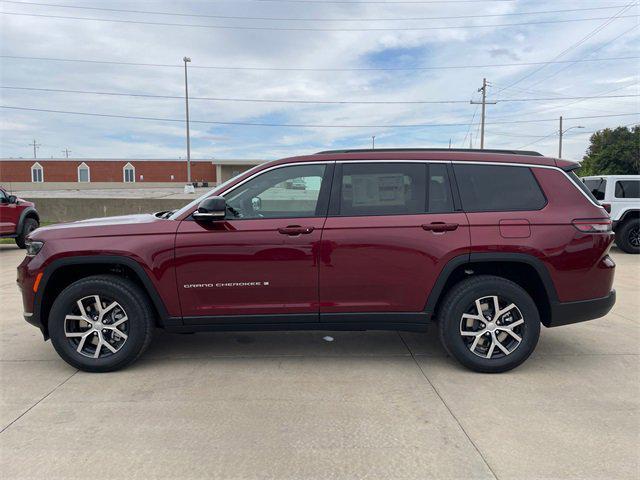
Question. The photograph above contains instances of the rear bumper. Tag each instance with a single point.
(566, 313)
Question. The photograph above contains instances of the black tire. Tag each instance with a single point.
(29, 225)
(627, 236)
(461, 299)
(134, 304)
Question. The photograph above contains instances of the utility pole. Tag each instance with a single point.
(470, 141)
(373, 142)
(484, 103)
(35, 146)
(186, 99)
(66, 152)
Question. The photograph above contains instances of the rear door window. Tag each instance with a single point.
(627, 189)
(382, 189)
(439, 189)
(491, 188)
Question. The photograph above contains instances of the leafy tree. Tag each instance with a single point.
(613, 152)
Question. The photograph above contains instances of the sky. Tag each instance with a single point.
(312, 51)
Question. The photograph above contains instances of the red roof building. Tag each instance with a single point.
(81, 170)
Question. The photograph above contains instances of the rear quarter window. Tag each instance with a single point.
(627, 189)
(491, 188)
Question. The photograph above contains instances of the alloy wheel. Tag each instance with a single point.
(96, 327)
(492, 327)
(634, 236)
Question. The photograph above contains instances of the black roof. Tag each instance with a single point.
(466, 150)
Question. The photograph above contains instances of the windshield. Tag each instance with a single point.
(175, 215)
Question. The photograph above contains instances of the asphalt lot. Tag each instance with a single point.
(293, 406)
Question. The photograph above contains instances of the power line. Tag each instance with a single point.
(297, 69)
(312, 102)
(306, 29)
(564, 105)
(379, 2)
(300, 125)
(470, 125)
(557, 72)
(555, 133)
(515, 135)
(299, 19)
(593, 32)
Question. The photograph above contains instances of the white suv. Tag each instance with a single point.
(620, 195)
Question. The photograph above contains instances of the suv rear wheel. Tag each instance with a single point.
(628, 236)
(101, 323)
(489, 324)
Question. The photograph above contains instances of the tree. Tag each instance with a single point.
(613, 152)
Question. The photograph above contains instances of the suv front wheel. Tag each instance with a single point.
(489, 324)
(30, 224)
(101, 323)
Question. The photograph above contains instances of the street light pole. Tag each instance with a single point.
(561, 133)
(560, 139)
(186, 100)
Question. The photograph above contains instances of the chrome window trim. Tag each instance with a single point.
(475, 162)
(283, 165)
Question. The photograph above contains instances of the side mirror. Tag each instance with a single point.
(210, 209)
(12, 199)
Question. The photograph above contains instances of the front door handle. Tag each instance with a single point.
(295, 230)
(440, 227)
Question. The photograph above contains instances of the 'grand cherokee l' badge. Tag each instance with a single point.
(226, 284)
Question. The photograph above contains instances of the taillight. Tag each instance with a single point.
(607, 207)
(596, 225)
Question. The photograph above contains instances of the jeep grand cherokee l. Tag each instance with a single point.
(488, 244)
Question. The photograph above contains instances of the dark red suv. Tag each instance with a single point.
(18, 218)
(488, 244)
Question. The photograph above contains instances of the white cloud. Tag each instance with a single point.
(107, 137)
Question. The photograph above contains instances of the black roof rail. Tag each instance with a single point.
(472, 150)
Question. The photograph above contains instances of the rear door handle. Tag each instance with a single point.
(295, 230)
(440, 227)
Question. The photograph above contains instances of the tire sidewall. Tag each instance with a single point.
(136, 313)
(624, 240)
(507, 291)
(26, 230)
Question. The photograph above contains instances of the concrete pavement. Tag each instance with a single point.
(293, 406)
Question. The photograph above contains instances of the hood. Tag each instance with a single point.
(139, 224)
(24, 203)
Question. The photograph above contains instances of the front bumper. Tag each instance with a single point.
(566, 313)
(30, 300)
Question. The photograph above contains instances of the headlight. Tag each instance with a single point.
(33, 247)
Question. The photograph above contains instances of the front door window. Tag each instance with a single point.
(287, 192)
